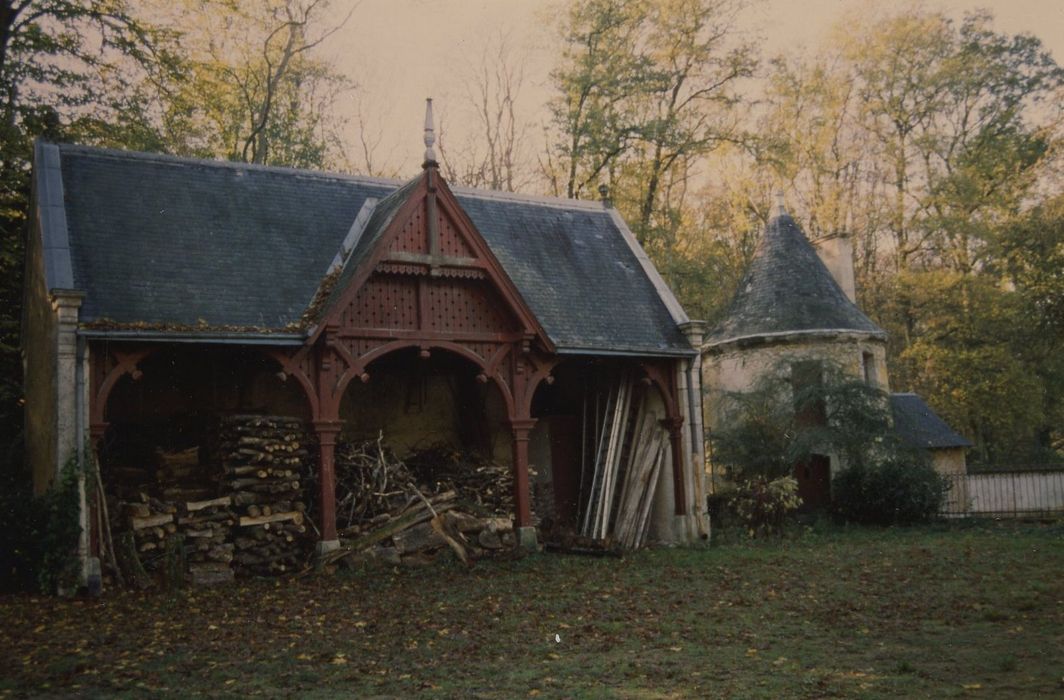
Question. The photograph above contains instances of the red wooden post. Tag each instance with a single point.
(522, 504)
(327, 432)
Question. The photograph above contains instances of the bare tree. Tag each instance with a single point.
(491, 156)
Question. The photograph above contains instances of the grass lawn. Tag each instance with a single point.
(934, 612)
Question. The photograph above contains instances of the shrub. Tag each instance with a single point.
(762, 504)
(901, 489)
(39, 534)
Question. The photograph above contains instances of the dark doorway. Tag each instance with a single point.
(814, 483)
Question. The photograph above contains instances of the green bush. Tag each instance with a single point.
(901, 489)
(761, 505)
(39, 534)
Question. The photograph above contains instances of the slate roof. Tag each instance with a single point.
(383, 213)
(919, 426)
(788, 290)
(168, 242)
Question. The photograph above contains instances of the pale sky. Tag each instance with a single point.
(402, 51)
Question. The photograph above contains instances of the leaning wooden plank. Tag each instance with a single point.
(596, 473)
(644, 520)
(295, 516)
(632, 468)
(593, 497)
(642, 463)
(193, 506)
(619, 428)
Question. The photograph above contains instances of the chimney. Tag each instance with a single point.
(836, 252)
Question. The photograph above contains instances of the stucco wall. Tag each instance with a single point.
(417, 405)
(39, 367)
(952, 462)
(739, 369)
(949, 461)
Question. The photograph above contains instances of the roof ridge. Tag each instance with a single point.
(481, 193)
(546, 200)
(122, 154)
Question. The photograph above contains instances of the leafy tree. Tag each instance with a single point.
(925, 139)
(63, 64)
(223, 78)
(252, 90)
(645, 89)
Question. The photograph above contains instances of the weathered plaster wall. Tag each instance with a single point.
(39, 333)
(949, 461)
(952, 462)
(182, 390)
(738, 369)
(417, 404)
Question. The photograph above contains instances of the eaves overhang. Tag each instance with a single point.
(218, 338)
(787, 337)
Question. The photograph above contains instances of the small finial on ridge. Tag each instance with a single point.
(604, 194)
(782, 208)
(430, 135)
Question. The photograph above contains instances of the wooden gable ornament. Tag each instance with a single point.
(429, 275)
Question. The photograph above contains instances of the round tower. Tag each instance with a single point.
(789, 315)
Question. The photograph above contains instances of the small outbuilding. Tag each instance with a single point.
(791, 314)
(795, 312)
(162, 292)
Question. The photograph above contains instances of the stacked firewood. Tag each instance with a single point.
(263, 460)
(151, 521)
(196, 532)
(206, 527)
(181, 476)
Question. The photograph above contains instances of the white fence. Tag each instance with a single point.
(1006, 494)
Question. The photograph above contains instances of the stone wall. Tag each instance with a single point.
(739, 369)
(39, 333)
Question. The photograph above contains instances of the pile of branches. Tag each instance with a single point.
(409, 511)
(371, 483)
(484, 487)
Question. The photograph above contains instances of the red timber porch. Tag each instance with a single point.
(417, 281)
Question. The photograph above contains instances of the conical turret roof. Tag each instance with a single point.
(788, 290)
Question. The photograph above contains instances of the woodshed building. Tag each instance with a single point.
(164, 292)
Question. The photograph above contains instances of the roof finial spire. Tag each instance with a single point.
(782, 207)
(430, 136)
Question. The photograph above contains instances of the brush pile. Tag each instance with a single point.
(408, 511)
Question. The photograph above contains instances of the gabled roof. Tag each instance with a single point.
(383, 214)
(788, 290)
(916, 424)
(182, 244)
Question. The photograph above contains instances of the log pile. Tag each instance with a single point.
(206, 527)
(240, 511)
(151, 521)
(263, 462)
(200, 528)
